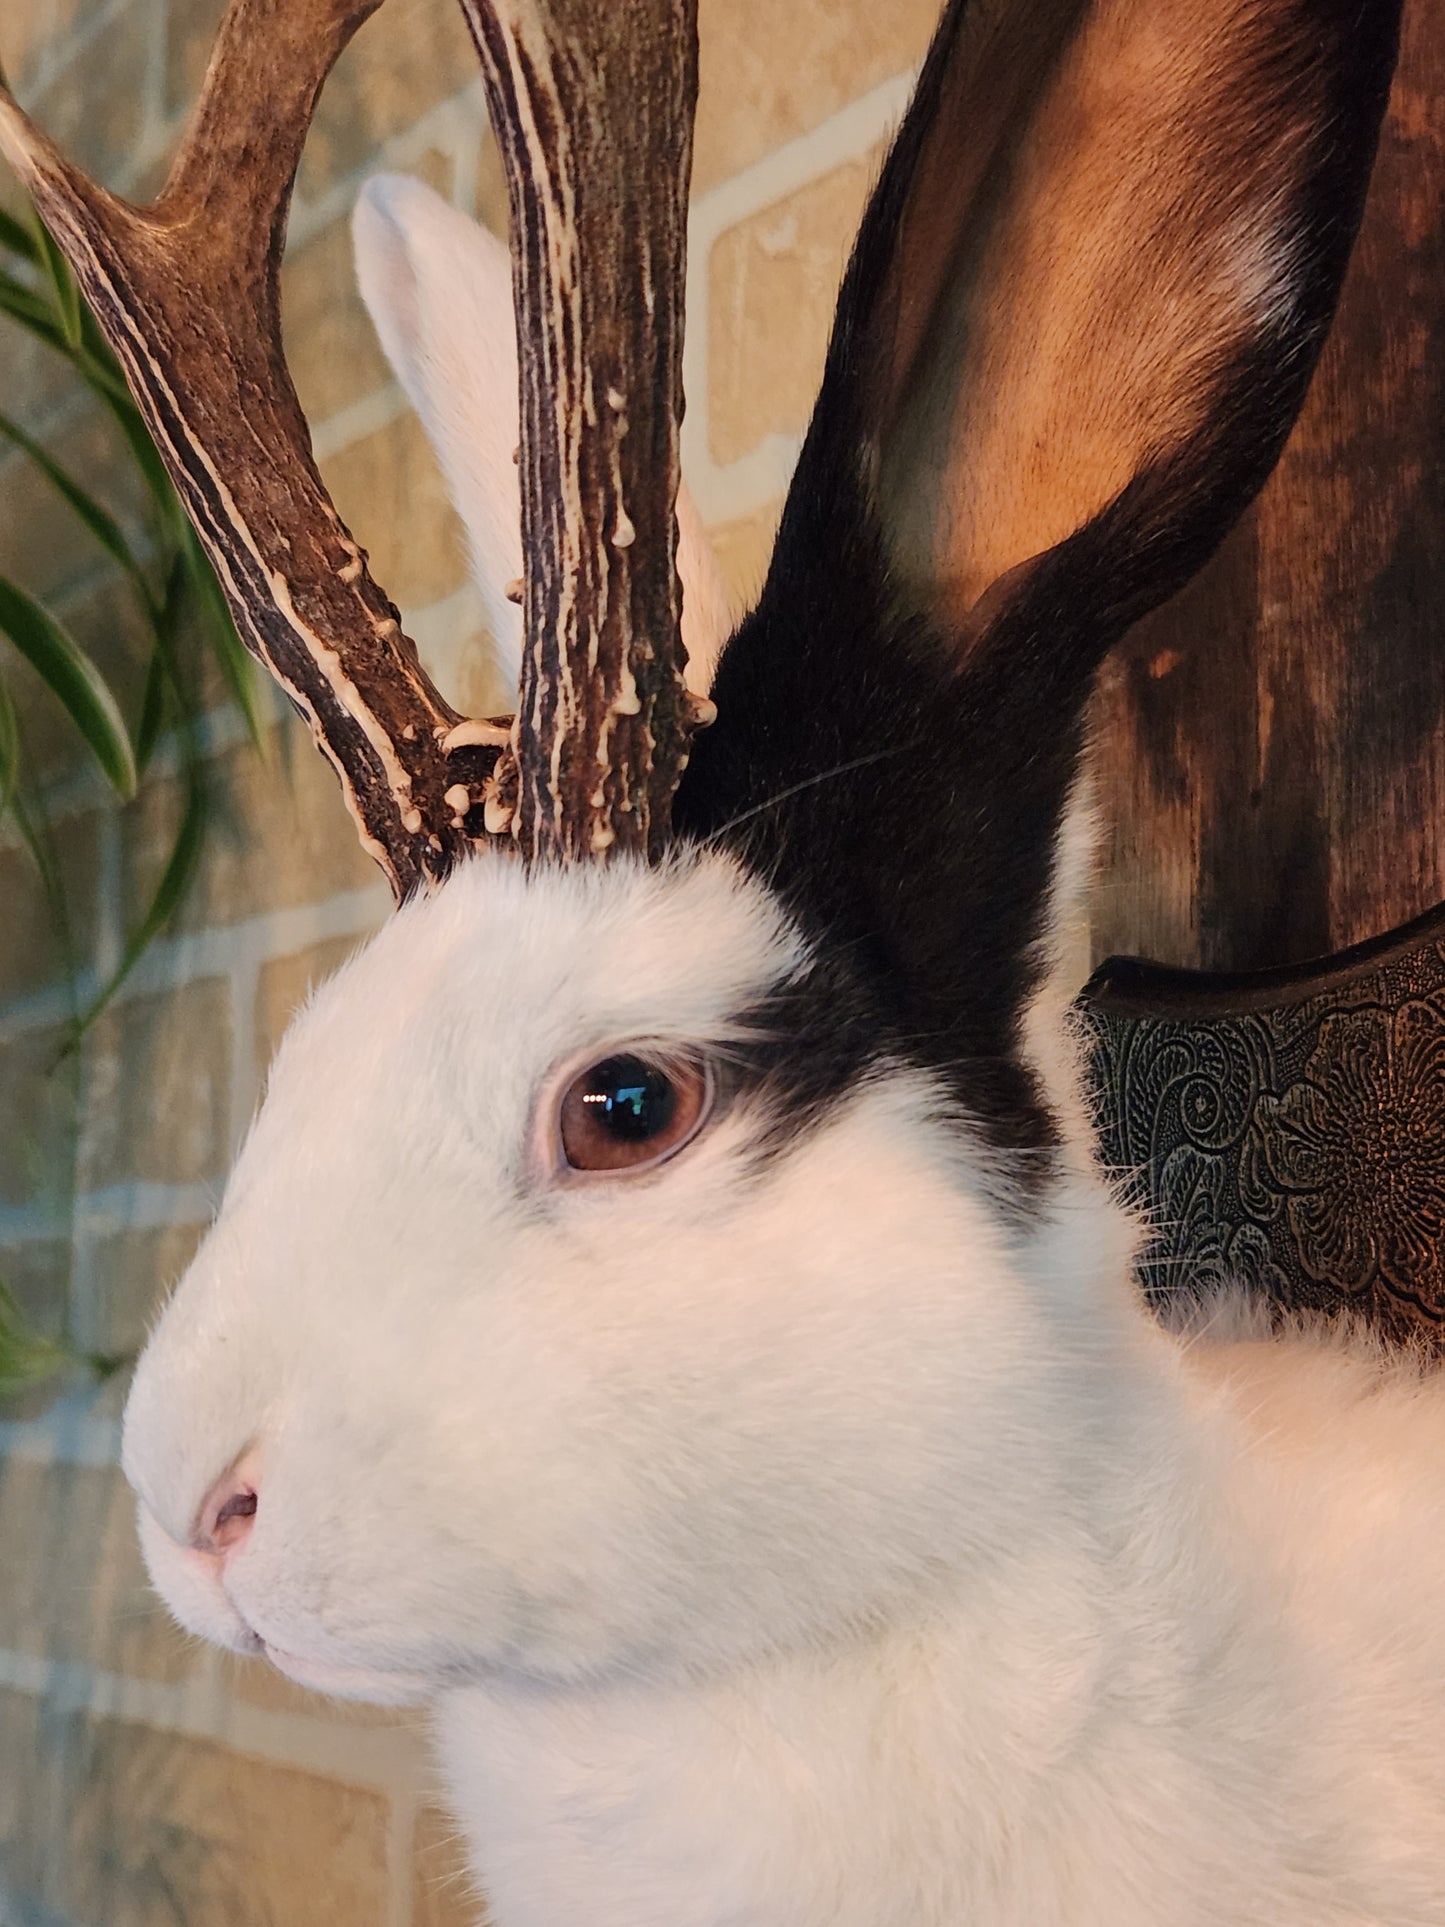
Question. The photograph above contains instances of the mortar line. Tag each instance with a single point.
(726, 491)
(172, 962)
(443, 125)
(385, 1758)
(57, 51)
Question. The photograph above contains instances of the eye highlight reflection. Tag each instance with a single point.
(626, 1113)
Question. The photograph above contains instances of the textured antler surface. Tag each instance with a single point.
(187, 293)
(592, 103)
(592, 106)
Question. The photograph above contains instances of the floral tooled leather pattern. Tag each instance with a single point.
(1297, 1146)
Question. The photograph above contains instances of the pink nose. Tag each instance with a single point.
(229, 1509)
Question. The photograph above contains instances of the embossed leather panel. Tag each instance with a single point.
(1285, 1128)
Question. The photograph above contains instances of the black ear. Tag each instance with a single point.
(1079, 320)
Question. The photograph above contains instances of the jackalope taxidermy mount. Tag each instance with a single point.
(668, 1314)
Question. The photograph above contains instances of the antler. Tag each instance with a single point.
(593, 105)
(593, 108)
(186, 291)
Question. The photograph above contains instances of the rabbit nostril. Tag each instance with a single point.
(241, 1506)
(232, 1519)
(229, 1507)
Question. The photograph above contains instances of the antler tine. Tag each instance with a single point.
(187, 293)
(592, 103)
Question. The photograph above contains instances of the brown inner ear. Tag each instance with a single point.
(1126, 238)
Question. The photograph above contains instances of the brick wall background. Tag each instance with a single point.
(143, 1779)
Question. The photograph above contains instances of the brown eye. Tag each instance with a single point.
(625, 1113)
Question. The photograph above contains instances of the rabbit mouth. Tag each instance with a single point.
(194, 1585)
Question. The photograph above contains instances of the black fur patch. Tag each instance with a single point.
(901, 787)
(904, 824)
(802, 1048)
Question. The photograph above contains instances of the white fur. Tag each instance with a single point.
(439, 290)
(799, 1547)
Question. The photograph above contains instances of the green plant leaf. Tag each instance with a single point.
(72, 679)
(102, 525)
(18, 238)
(97, 366)
(35, 837)
(99, 349)
(220, 631)
(107, 380)
(97, 363)
(117, 397)
(170, 892)
(28, 810)
(153, 709)
(56, 269)
(168, 690)
(27, 1358)
(100, 370)
(9, 750)
(91, 357)
(31, 310)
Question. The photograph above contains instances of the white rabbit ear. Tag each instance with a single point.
(707, 617)
(438, 287)
(439, 291)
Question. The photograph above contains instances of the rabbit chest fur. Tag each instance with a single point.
(668, 1318)
(1218, 1701)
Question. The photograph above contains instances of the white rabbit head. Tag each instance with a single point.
(641, 1268)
